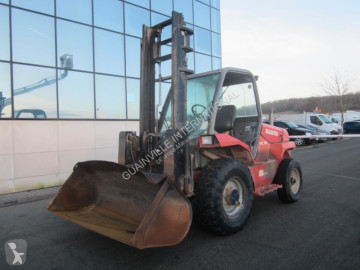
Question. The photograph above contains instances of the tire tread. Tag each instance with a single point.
(207, 207)
(285, 195)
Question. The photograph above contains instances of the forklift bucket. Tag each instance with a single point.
(143, 211)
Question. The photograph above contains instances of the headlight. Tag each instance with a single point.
(308, 134)
(206, 139)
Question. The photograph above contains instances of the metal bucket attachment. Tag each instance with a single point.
(143, 211)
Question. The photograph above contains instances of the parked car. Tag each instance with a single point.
(30, 113)
(352, 127)
(317, 131)
(317, 120)
(294, 129)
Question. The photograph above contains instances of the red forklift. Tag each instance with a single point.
(207, 152)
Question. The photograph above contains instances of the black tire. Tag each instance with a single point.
(223, 211)
(289, 175)
(299, 141)
(308, 142)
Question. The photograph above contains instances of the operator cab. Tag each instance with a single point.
(220, 101)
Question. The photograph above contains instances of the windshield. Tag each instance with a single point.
(325, 119)
(200, 94)
(292, 125)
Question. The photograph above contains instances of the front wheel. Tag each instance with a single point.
(299, 141)
(289, 175)
(223, 196)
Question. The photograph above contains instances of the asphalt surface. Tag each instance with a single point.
(321, 231)
(28, 196)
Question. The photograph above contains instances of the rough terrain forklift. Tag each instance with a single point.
(208, 150)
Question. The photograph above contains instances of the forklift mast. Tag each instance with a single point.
(150, 56)
(175, 165)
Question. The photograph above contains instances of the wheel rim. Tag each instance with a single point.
(298, 141)
(233, 196)
(295, 181)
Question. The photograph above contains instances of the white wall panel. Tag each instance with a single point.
(109, 154)
(68, 159)
(35, 164)
(76, 135)
(37, 182)
(6, 167)
(6, 141)
(35, 136)
(38, 154)
(6, 186)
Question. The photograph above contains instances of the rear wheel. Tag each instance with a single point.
(289, 175)
(223, 196)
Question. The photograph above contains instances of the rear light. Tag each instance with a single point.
(207, 140)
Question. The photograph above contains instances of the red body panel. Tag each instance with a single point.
(226, 140)
(271, 133)
(274, 146)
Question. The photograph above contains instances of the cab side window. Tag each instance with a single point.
(242, 96)
(314, 120)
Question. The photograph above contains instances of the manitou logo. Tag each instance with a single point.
(15, 251)
(271, 132)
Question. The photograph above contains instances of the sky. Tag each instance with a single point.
(293, 46)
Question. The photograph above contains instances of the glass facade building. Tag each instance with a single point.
(80, 59)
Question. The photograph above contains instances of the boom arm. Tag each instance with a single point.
(66, 63)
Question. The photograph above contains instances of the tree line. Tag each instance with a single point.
(327, 104)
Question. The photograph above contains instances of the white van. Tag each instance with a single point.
(316, 120)
(335, 120)
(321, 121)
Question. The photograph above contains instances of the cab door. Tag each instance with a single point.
(239, 89)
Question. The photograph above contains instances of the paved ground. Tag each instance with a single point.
(321, 231)
(27, 196)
